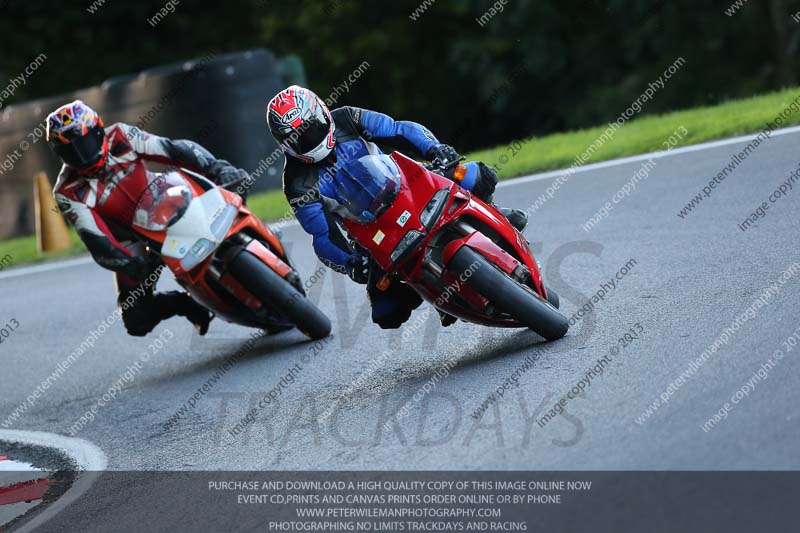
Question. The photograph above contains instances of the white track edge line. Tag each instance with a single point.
(644, 157)
(47, 267)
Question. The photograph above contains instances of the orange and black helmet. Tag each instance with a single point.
(75, 133)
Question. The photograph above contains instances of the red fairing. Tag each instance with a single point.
(227, 297)
(461, 210)
(490, 216)
(487, 248)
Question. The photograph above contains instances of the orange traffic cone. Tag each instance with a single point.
(51, 230)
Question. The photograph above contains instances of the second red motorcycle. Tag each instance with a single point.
(457, 252)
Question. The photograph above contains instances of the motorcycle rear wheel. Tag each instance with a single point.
(274, 291)
(508, 295)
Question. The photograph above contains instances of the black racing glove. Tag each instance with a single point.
(358, 267)
(442, 155)
(229, 177)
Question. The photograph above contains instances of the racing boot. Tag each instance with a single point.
(181, 304)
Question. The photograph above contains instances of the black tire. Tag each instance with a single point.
(552, 297)
(271, 289)
(507, 295)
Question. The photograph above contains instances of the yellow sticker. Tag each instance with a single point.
(378, 238)
(170, 245)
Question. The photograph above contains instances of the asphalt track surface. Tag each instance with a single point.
(691, 279)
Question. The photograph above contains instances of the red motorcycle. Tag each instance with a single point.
(457, 252)
(227, 258)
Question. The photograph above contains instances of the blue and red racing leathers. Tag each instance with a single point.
(309, 190)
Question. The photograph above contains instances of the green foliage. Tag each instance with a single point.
(270, 205)
(533, 69)
(23, 250)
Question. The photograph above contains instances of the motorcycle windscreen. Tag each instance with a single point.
(163, 202)
(366, 187)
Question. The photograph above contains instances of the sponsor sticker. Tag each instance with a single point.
(404, 218)
(170, 245)
(291, 115)
(378, 238)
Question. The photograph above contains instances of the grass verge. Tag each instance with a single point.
(555, 151)
(642, 135)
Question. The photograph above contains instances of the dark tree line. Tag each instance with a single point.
(536, 67)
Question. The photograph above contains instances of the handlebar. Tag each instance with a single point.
(441, 167)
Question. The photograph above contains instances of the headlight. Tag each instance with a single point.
(410, 241)
(433, 210)
(221, 224)
(201, 249)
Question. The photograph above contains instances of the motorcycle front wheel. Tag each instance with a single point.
(277, 293)
(508, 295)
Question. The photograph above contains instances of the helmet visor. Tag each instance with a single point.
(82, 151)
(366, 187)
(310, 133)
